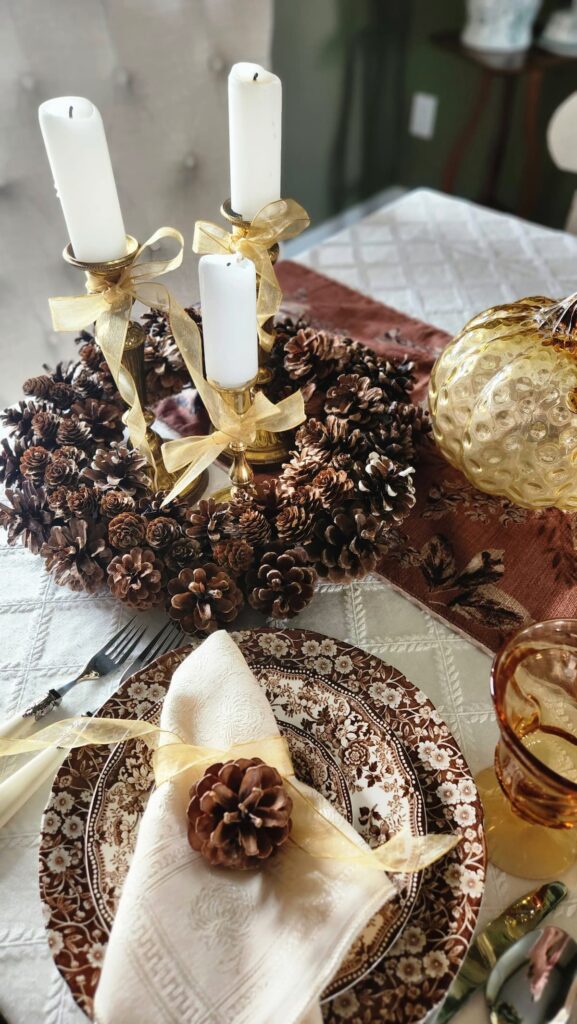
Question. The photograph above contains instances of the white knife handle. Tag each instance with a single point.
(17, 789)
(22, 723)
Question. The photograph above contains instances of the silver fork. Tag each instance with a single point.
(108, 659)
(16, 790)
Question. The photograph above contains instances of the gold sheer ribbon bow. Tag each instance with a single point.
(314, 828)
(108, 305)
(274, 223)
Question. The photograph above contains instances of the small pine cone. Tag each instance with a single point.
(74, 433)
(18, 419)
(204, 599)
(355, 400)
(90, 353)
(126, 531)
(312, 354)
(112, 503)
(103, 420)
(63, 395)
(45, 426)
(299, 472)
(236, 555)
(40, 387)
(253, 526)
(150, 506)
(27, 518)
(332, 487)
(208, 521)
(161, 532)
(184, 552)
(71, 553)
(83, 502)
(10, 462)
(345, 544)
(239, 814)
(70, 452)
(283, 584)
(295, 522)
(118, 468)
(391, 491)
(57, 501)
(34, 462)
(395, 378)
(135, 577)
(62, 472)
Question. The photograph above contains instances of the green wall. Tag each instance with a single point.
(350, 68)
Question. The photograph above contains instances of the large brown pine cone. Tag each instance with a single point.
(283, 584)
(27, 518)
(356, 400)
(209, 521)
(112, 503)
(135, 577)
(345, 544)
(239, 813)
(34, 463)
(161, 532)
(118, 468)
(204, 599)
(126, 531)
(235, 555)
(70, 553)
(391, 491)
(313, 355)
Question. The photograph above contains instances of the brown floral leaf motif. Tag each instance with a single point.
(490, 606)
(485, 567)
(438, 563)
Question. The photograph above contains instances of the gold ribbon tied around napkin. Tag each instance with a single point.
(274, 223)
(314, 830)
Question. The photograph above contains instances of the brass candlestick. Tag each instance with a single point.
(241, 473)
(110, 271)
(269, 448)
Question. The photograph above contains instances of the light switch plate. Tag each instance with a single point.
(423, 115)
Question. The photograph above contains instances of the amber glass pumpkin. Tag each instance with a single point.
(503, 400)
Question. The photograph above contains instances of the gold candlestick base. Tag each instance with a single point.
(269, 449)
(109, 272)
(241, 473)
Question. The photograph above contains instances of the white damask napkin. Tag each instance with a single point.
(193, 944)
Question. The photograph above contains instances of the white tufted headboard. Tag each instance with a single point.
(157, 70)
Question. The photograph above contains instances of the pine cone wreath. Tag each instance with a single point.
(34, 463)
(204, 599)
(161, 532)
(283, 584)
(112, 503)
(126, 531)
(313, 355)
(235, 555)
(27, 518)
(118, 468)
(239, 814)
(356, 400)
(345, 544)
(70, 555)
(83, 502)
(135, 577)
(390, 490)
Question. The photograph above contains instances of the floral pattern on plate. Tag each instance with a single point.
(415, 973)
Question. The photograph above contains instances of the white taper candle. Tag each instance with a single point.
(254, 120)
(229, 327)
(77, 150)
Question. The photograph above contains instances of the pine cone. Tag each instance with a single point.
(299, 472)
(208, 522)
(34, 462)
(283, 584)
(90, 353)
(83, 502)
(235, 555)
(103, 420)
(239, 813)
(313, 355)
(40, 387)
(332, 487)
(167, 373)
(118, 468)
(184, 552)
(45, 426)
(161, 532)
(150, 506)
(18, 419)
(205, 598)
(74, 433)
(399, 431)
(27, 517)
(112, 503)
(57, 501)
(136, 578)
(10, 462)
(395, 379)
(355, 400)
(345, 545)
(62, 471)
(126, 531)
(70, 554)
(62, 394)
(295, 522)
(391, 491)
(252, 525)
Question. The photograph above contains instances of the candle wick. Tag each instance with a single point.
(70, 112)
(255, 76)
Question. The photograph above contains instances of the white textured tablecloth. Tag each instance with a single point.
(433, 257)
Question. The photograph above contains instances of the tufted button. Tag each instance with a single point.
(28, 82)
(122, 77)
(215, 63)
(190, 161)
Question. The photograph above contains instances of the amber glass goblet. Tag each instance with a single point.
(530, 796)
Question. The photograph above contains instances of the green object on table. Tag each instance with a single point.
(517, 920)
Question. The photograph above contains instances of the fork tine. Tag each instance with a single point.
(151, 650)
(130, 643)
(116, 648)
(124, 629)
